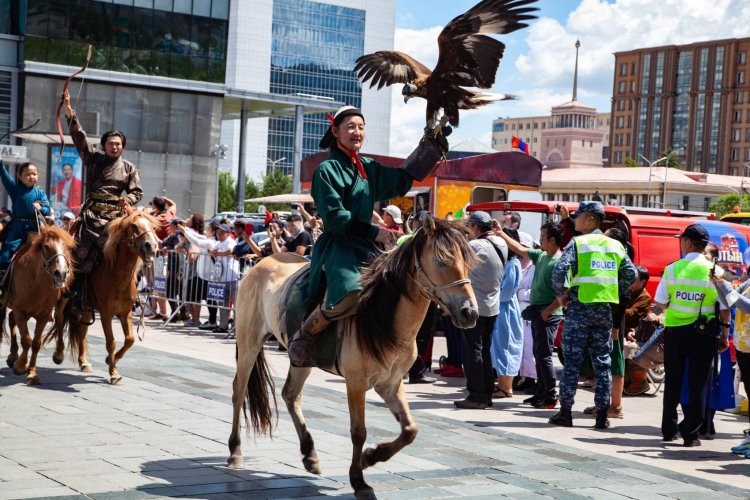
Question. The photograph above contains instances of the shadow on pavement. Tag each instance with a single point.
(206, 477)
(52, 379)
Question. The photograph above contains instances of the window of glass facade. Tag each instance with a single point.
(700, 122)
(646, 73)
(156, 41)
(741, 57)
(682, 99)
(659, 77)
(313, 50)
(642, 115)
(656, 127)
(713, 144)
(5, 16)
(6, 92)
(719, 68)
(703, 70)
(740, 77)
(623, 69)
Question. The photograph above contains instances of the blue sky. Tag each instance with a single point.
(538, 62)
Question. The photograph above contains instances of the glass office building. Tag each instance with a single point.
(184, 39)
(156, 73)
(313, 50)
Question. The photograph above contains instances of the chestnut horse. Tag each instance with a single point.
(377, 346)
(41, 273)
(130, 240)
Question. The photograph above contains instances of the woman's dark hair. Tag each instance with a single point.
(21, 168)
(513, 233)
(712, 250)
(622, 237)
(197, 223)
(114, 133)
(159, 202)
(643, 273)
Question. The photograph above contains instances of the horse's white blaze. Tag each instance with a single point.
(147, 231)
(59, 263)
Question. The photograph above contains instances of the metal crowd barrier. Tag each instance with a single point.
(194, 278)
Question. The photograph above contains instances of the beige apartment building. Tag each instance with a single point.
(693, 99)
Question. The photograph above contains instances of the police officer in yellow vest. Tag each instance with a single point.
(593, 271)
(687, 296)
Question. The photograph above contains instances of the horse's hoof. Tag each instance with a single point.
(365, 492)
(236, 462)
(11, 360)
(115, 380)
(86, 368)
(58, 358)
(33, 380)
(19, 369)
(312, 465)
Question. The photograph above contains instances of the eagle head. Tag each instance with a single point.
(408, 91)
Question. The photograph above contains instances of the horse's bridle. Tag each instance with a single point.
(48, 261)
(430, 292)
(131, 239)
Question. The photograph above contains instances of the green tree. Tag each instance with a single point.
(252, 190)
(631, 162)
(276, 182)
(227, 192)
(726, 204)
(672, 159)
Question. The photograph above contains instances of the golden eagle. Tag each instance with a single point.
(468, 58)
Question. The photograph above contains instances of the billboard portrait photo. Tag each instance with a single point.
(65, 181)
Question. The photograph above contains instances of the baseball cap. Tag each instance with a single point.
(589, 206)
(68, 215)
(694, 232)
(480, 217)
(526, 239)
(239, 223)
(394, 212)
(225, 227)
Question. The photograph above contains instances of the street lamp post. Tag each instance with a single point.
(274, 162)
(666, 171)
(650, 166)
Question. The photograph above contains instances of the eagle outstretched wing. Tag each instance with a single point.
(389, 67)
(467, 56)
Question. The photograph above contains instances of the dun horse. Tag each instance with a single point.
(377, 346)
(130, 240)
(40, 275)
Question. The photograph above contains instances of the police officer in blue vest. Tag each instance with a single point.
(692, 333)
(593, 271)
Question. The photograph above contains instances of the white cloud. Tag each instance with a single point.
(542, 73)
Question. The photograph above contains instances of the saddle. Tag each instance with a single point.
(328, 342)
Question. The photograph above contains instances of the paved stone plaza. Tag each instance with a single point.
(163, 433)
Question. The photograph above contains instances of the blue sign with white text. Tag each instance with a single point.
(216, 291)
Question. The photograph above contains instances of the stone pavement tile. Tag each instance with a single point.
(299, 482)
(56, 492)
(435, 473)
(14, 472)
(210, 489)
(599, 494)
(714, 495)
(292, 493)
(87, 468)
(416, 493)
(122, 495)
(90, 484)
(496, 488)
(531, 495)
(520, 481)
(213, 478)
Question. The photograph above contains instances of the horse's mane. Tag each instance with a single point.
(385, 280)
(117, 230)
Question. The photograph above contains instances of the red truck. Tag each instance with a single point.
(652, 235)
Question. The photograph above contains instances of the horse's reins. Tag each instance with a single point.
(429, 292)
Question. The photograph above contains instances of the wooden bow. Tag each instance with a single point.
(62, 101)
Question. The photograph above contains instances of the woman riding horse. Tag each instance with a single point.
(345, 188)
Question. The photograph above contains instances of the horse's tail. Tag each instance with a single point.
(76, 333)
(3, 312)
(261, 392)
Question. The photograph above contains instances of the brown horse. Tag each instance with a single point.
(130, 240)
(377, 345)
(41, 273)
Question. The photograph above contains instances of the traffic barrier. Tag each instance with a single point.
(194, 279)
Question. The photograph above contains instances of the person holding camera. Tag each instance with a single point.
(691, 336)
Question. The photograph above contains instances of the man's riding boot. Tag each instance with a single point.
(602, 422)
(302, 345)
(563, 418)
